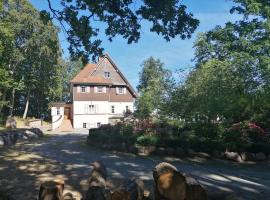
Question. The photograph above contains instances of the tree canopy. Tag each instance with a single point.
(230, 81)
(168, 18)
(29, 54)
(155, 85)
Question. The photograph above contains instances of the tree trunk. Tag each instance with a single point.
(26, 105)
(131, 189)
(12, 102)
(51, 190)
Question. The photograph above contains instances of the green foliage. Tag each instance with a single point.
(108, 134)
(29, 53)
(154, 87)
(69, 70)
(122, 18)
(148, 140)
(231, 78)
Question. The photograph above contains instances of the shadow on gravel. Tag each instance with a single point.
(24, 166)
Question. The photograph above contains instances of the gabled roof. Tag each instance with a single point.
(86, 75)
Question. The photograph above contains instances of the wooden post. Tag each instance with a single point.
(51, 190)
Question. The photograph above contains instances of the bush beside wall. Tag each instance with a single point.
(122, 137)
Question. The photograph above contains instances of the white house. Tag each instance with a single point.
(100, 95)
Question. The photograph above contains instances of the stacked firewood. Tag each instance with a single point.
(169, 184)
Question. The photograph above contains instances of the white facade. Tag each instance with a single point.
(91, 114)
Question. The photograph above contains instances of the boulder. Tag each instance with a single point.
(123, 147)
(7, 140)
(37, 131)
(104, 146)
(260, 156)
(246, 156)
(161, 151)
(2, 142)
(191, 152)
(146, 150)
(132, 149)
(233, 156)
(203, 155)
(170, 151)
(11, 122)
(179, 152)
(30, 134)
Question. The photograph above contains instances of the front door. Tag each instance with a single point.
(67, 112)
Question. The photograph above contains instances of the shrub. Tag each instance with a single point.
(248, 137)
(118, 134)
(148, 140)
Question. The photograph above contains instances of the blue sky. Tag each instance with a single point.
(176, 54)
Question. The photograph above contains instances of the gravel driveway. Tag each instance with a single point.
(65, 155)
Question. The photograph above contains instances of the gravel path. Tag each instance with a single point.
(66, 156)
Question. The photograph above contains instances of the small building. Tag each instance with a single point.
(100, 95)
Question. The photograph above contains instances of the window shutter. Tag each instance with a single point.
(78, 89)
(125, 90)
(95, 88)
(86, 109)
(117, 90)
(88, 89)
(96, 108)
(104, 89)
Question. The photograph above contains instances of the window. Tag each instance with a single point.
(107, 74)
(99, 89)
(98, 124)
(91, 108)
(84, 125)
(120, 90)
(112, 109)
(58, 111)
(83, 89)
(127, 109)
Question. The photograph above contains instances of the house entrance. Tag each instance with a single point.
(67, 112)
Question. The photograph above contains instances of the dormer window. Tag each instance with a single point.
(107, 74)
(99, 89)
(83, 89)
(121, 90)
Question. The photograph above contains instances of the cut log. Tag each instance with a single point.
(131, 189)
(97, 182)
(171, 184)
(194, 190)
(168, 183)
(68, 196)
(51, 190)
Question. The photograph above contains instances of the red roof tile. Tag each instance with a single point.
(85, 75)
